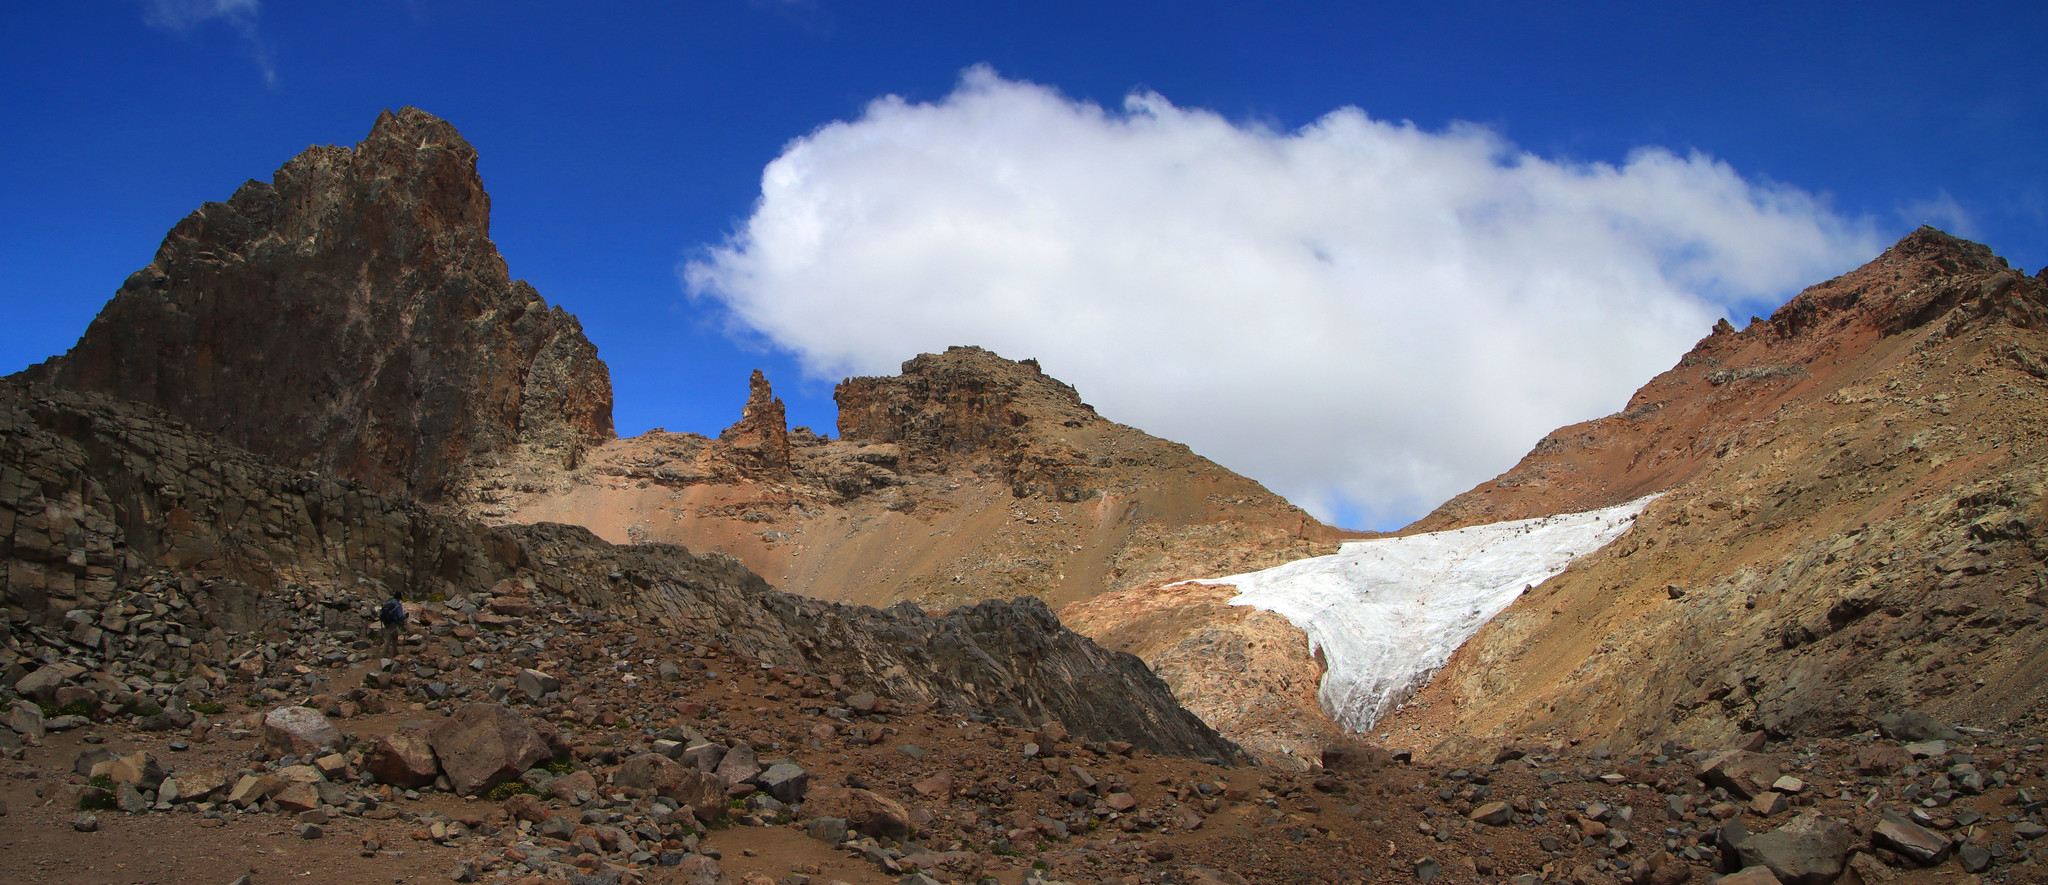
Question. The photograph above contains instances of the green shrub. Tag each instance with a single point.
(75, 708)
(558, 766)
(88, 801)
(210, 708)
(507, 790)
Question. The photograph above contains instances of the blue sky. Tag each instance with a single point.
(625, 142)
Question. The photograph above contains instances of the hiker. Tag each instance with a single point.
(392, 616)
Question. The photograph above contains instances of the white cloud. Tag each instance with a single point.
(1942, 211)
(181, 16)
(1364, 315)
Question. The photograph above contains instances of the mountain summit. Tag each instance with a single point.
(351, 316)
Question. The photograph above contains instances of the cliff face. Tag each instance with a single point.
(351, 316)
(1856, 521)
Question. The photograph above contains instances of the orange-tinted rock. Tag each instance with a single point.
(759, 441)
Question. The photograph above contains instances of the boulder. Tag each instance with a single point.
(403, 758)
(569, 785)
(862, 811)
(298, 797)
(704, 756)
(299, 730)
(659, 775)
(787, 782)
(484, 744)
(42, 684)
(1882, 758)
(1810, 850)
(1926, 847)
(26, 719)
(140, 769)
(1493, 814)
(252, 789)
(196, 786)
(740, 766)
(1908, 726)
(1742, 773)
(534, 683)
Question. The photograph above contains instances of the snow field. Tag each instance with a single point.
(1385, 614)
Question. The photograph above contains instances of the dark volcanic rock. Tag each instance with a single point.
(351, 316)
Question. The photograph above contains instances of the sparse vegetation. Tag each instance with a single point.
(508, 790)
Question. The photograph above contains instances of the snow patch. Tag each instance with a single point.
(1385, 614)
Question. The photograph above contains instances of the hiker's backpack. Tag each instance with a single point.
(393, 612)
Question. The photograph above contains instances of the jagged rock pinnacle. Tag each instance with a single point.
(352, 316)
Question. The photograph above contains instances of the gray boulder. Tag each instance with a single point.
(1808, 851)
(1913, 725)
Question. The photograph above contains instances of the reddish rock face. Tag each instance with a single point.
(351, 316)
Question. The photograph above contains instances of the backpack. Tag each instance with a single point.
(393, 612)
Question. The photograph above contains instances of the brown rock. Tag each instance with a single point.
(864, 812)
(298, 797)
(526, 807)
(140, 769)
(484, 744)
(658, 775)
(1742, 773)
(197, 786)
(937, 786)
(1882, 757)
(403, 758)
(739, 765)
(299, 730)
(254, 788)
(759, 441)
(351, 316)
(569, 785)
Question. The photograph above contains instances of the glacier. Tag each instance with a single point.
(1384, 614)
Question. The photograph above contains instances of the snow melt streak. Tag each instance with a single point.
(1386, 614)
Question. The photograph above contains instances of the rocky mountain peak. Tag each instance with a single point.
(759, 441)
(962, 405)
(352, 316)
(1928, 284)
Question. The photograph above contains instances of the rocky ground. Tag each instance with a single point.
(522, 737)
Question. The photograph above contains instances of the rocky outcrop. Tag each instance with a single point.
(969, 407)
(352, 316)
(968, 477)
(1856, 521)
(759, 441)
(99, 497)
